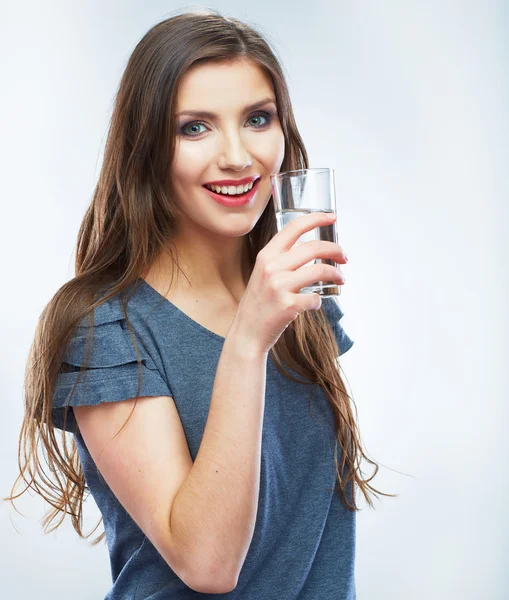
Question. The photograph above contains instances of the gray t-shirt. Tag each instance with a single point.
(303, 545)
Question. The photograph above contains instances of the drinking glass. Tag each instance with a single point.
(301, 192)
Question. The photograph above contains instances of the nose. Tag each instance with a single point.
(234, 153)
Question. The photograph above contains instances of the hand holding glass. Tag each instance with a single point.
(301, 192)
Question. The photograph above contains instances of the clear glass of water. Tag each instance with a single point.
(301, 192)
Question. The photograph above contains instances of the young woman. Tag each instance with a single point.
(200, 391)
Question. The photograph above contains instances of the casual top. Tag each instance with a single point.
(303, 546)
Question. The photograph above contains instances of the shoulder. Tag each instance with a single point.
(332, 309)
(334, 315)
(107, 360)
(107, 312)
(130, 304)
(116, 323)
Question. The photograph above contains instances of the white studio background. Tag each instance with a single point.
(408, 102)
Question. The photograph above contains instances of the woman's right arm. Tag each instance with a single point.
(213, 515)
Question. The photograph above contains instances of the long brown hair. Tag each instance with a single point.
(130, 221)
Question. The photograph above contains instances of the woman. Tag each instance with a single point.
(202, 391)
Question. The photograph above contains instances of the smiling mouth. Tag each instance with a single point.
(235, 199)
(231, 190)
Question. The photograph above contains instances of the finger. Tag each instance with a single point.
(292, 231)
(308, 252)
(319, 273)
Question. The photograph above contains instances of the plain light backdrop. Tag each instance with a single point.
(408, 102)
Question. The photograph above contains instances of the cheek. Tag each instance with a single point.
(270, 149)
(199, 150)
(189, 161)
(280, 144)
(274, 148)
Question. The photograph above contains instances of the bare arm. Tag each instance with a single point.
(213, 514)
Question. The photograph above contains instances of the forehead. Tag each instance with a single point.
(218, 86)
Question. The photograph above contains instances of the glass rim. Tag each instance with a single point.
(311, 170)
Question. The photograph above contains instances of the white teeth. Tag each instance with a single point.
(231, 190)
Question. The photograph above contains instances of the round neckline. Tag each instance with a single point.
(164, 300)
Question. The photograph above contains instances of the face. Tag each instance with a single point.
(237, 142)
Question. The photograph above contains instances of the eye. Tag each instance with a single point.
(264, 115)
(193, 124)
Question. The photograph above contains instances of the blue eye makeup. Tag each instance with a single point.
(268, 116)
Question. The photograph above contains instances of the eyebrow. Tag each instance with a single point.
(210, 115)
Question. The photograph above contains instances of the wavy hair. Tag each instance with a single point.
(130, 221)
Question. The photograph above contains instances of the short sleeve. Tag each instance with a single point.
(334, 315)
(112, 366)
